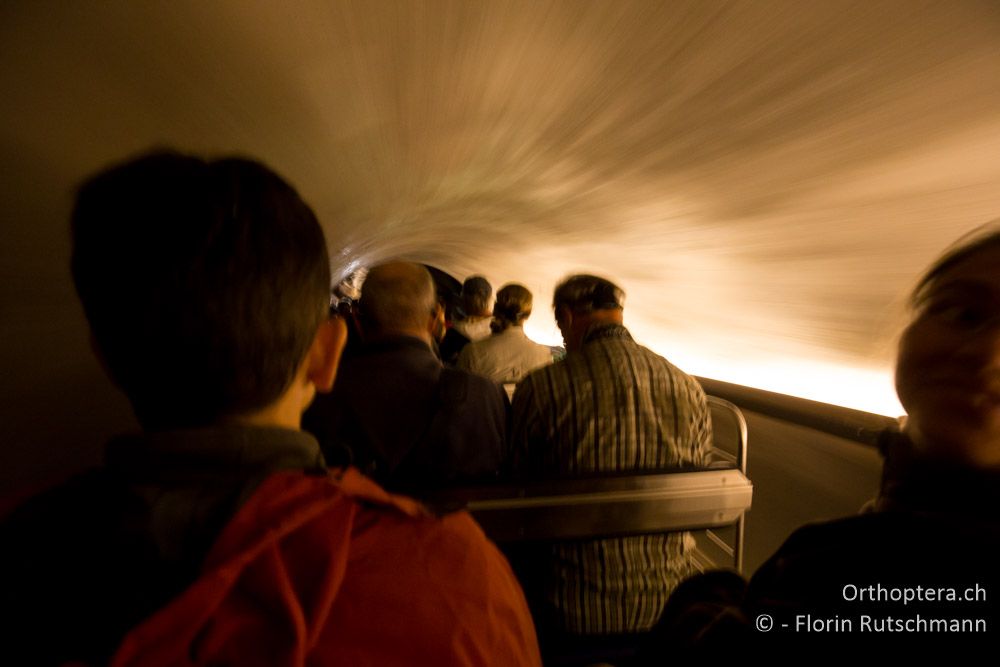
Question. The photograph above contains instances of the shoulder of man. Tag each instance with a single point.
(457, 386)
(669, 367)
(66, 544)
(548, 373)
(366, 576)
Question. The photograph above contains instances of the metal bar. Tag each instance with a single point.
(719, 542)
(741, 424)
(738, 542)
(725, 488)
(856, 425)
(741, 455)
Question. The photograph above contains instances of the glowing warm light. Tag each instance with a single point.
(766, 180)
(867, 389)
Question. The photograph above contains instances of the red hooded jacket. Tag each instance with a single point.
(333, 570)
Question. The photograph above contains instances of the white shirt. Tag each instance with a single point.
(474, 328)
(505, 357)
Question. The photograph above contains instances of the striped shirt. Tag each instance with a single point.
(611, 406)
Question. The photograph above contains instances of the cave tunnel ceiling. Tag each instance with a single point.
(765, 179)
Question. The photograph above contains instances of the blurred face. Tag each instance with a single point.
(560, 314)
(572, 336)
(948, 369)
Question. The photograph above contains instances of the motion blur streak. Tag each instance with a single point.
(765, 179)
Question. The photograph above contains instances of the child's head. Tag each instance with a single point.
(204, 283)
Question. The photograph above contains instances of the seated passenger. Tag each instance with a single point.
(218, 529)
(403, 418)
(611, 405)
(475, 321)
(508, 355)
(935, 524)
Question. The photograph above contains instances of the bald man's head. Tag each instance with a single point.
(398, 298)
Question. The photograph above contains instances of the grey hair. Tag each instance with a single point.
(397, 295)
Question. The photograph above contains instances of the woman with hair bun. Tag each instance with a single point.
(508, 355)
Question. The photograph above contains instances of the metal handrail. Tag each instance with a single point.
(847, 423)
(741, 423)
(741, 458)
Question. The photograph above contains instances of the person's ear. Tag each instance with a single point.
(564, 317)
(435, 325)
(324, 355)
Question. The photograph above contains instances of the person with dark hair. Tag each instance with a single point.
(403, 418)
(920, 570)
(508, 355)
(610, 405)
(217, 535)
(475, 321)
(448, 292)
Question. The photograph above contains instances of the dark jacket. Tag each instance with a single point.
(452, 345)
(407, 421)
(840, 585)
(86, 561)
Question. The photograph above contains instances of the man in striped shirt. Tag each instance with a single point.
(611, 405)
